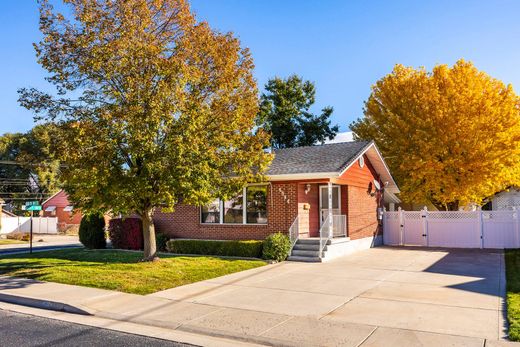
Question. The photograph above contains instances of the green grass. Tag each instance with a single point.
(513, 293)
(10, 242)
(119, 270)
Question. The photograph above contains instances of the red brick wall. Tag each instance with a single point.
(362, 217)
(184, 222)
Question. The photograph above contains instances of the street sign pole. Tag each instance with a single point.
(32, 206)
(31, 232)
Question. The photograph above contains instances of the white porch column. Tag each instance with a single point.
(329, 190)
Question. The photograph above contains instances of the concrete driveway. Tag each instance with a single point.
(382, 296)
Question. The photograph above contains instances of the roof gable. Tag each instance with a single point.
(60, 199)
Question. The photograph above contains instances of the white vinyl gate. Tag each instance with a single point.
(457, 229)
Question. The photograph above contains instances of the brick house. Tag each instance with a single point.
(59, 206)
(336, 190)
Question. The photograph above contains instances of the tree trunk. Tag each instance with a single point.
(450, 206)
(150, 248)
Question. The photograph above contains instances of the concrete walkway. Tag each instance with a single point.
(382, 296)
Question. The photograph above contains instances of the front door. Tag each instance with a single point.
(324, 202)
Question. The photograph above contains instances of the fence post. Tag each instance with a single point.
(401, 226)
(424, 216)
(481, 228)
(517, 231)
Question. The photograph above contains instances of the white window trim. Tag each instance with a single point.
(244, 209)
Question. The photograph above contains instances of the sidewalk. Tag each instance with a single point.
(248, 326)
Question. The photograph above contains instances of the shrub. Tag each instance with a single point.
(276, 247)
(245, 249)
(160, 241)
(126, 233)
(92, 231)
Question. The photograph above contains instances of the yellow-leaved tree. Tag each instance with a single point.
(450, 136)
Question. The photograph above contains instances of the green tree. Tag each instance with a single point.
(30, 167)
(156, 108)
(285, 114)
(450, 136)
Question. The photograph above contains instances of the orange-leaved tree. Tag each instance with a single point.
(156, 108)
(450, 136)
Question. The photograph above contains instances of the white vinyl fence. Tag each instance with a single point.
(41, 225)
(457, 229)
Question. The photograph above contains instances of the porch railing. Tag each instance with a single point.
(339, 225)
(294, 231)
(339, 229)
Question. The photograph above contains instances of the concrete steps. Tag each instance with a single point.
(301, 253)
(308, 249)
(304, 259)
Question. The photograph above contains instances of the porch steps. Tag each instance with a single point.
(304, 253)
(304, 259)
(308, 249)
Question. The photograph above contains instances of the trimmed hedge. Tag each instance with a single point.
(92, 231)
(126, 233)
(276, 247)
(245, 249)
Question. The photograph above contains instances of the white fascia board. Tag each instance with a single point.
(302, 176)
(391, 197)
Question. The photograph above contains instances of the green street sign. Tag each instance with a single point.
(31, 203)
(34, 208)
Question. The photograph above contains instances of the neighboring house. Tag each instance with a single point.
(59, 206)
(506, 200)
(305, 186)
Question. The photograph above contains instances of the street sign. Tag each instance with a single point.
(32, 206)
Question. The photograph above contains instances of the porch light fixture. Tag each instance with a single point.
(307, 188)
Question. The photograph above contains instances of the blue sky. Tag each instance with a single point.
(343, 46)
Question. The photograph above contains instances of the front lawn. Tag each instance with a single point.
(11, 242)
(120, 270)
(513, 293)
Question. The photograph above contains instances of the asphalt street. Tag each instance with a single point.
(20, 330)
(25, 249)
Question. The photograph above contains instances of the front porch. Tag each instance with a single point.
(321, 221)
(322, 210)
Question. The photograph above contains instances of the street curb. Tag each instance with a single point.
(45, 304)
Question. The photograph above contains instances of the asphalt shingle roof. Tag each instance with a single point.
(332, 157)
